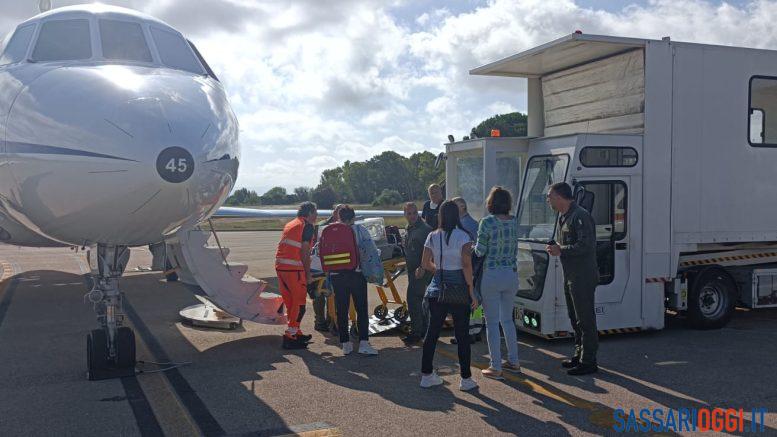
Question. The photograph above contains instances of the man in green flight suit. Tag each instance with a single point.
(577, 250)
(417, 278)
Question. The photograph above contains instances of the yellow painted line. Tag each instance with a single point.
(7, 273)
(7, 269)
(600, 415)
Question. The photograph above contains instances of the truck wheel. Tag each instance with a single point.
(711, 300)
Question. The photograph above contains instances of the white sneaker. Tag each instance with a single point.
(467, 384)
(347, 348)
(365, 348)
(430, 380)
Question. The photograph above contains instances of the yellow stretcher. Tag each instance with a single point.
(383, 318)
(392, 269)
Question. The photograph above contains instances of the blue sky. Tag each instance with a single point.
(315, 83)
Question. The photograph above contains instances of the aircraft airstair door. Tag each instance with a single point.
(226, 284)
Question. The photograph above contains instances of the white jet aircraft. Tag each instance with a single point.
(114, 132)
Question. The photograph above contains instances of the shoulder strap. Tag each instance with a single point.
(440, 255)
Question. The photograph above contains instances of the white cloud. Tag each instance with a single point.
(317, 83)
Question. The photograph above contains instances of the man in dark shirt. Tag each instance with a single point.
(417, 278)
(577, 251)
(432, 206)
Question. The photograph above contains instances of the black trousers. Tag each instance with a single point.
(349, 284)
(579, 294)
(437, 314)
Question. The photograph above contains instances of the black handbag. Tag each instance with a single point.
(451, 294)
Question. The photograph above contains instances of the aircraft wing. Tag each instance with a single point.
(235, 212)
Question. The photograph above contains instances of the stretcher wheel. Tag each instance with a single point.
(381, 312)
(400, 314)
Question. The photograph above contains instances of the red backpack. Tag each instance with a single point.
(337, 248)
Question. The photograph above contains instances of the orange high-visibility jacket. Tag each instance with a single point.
(288, 256)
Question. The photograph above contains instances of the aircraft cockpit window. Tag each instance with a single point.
(202, 61)
(174, 51)
(16, 49)
(124, 41)
(63, 40)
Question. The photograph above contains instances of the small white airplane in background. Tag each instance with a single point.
(114, 132)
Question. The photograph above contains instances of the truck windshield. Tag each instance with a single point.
(536, 220)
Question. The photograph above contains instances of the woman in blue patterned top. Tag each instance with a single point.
(498, 242)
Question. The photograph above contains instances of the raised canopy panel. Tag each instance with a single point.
(604, 96)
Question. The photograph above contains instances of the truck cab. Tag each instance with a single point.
(605, 175)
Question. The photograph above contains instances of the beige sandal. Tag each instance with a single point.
(492, 373)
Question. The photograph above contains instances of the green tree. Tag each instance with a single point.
(333, 178)
(275, 196)
(421, 165)
(509, 125)
(243, 196)
(387, 198)
(324, 197)
(302, 193)
(360, 177)
(390, 171)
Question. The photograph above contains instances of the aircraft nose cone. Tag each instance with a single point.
(190, 148)
(146, 150)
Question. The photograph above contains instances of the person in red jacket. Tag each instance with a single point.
(292, 264)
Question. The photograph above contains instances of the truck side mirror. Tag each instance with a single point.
(439, 159)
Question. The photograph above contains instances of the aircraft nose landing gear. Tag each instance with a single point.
(110, 350)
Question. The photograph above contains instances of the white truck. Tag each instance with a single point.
(671, 146)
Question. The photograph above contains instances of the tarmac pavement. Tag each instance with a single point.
(242, 383)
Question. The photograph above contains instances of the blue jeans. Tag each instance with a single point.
(498, 289)
(450, 276)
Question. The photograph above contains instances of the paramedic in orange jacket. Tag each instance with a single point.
(292, 264)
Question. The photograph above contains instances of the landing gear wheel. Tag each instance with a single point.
(125, 347)
(711, 300)
(381, 312)
(401, 314)
(96, 351)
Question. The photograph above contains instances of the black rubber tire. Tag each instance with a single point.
(125, 347)
(711, 299)
(381, 312)
(400, 314)
(96, 350)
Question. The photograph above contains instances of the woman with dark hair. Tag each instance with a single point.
(498, 243)
(448, 254)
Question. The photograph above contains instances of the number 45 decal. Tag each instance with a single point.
(177, 165)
